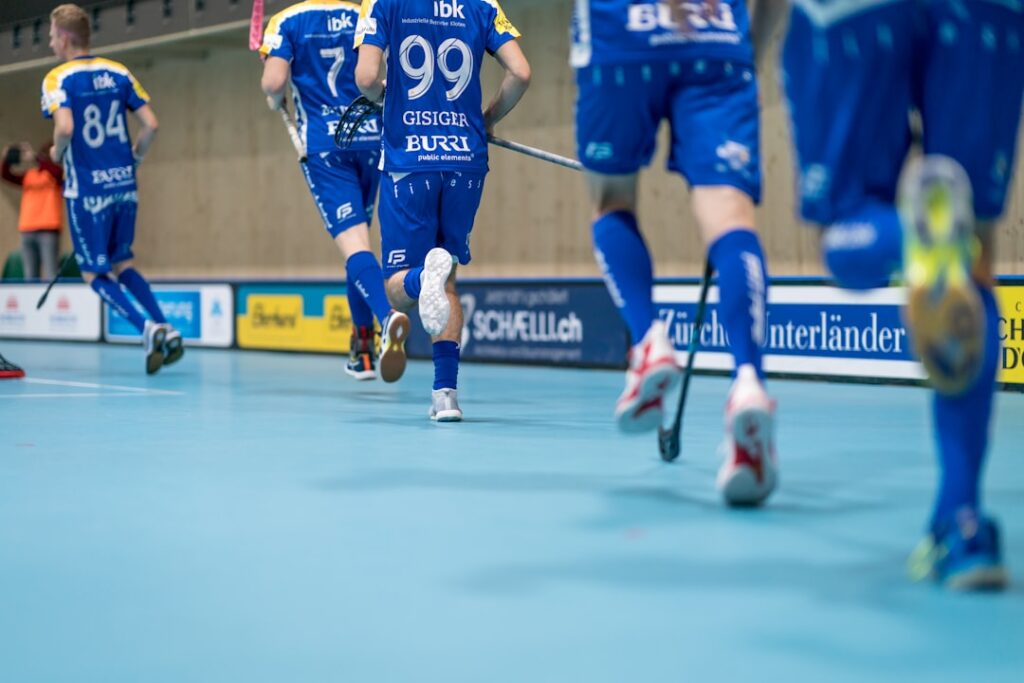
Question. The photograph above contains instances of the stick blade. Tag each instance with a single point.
(668, 443)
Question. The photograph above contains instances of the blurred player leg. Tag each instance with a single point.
(343, 194)
(618, 110)
(92, 225)
(972, 89)
(716, 147)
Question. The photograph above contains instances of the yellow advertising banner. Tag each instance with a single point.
(306, 320)
(1011, 334)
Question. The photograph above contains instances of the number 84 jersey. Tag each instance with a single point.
(628, 31)
(316, 38)
(433, 119)
(98, 92)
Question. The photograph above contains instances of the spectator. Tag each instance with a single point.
(42, 206)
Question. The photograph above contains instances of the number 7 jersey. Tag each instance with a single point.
(433, 118)
(98, 92)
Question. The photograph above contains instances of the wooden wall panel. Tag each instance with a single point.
(222, 196)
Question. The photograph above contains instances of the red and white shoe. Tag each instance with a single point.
(652, 372)
(750, 471)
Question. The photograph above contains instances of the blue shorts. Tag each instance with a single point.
(102, 230)
(420, 211)
(712, 107)
(851, 86)
(344, 186)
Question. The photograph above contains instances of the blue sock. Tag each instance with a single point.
(133, 281)
(742, 293)
(623, 257)
(365, 275)
(362, 315)
(446, 365)
(866, 248)
(112, 293)
(412, 282)
(962, 427)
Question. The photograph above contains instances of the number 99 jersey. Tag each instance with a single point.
(98, 91)
(316, 38)
(433, 119)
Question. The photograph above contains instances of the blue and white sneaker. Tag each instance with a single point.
(434, 305)
(153, 335)
(963, 556)
(174, 347)
(394, 332)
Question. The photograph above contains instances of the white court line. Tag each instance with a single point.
(89, 395)
(90, 385)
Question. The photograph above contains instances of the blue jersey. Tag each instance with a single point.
(316, 38)
(98, 92)
(626, 31)
(433, 119)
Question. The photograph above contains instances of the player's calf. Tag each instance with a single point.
(944, 311)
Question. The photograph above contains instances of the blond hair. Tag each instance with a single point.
(74, 21)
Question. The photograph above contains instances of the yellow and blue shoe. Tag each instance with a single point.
(964, 556)
(944, 311)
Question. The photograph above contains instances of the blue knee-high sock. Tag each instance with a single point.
(133, 281)
(743, 289)
(112, 293)
(365, 275)
(446, 365)
(412, 282)
(962, 428)
(623, 257)
(362, 314)
(864, 249)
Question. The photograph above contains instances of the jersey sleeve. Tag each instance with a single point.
(137, 95)
(372, 28)
(55, 95)
(501, 30)
(276, 40)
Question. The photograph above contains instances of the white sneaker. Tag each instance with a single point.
(434, 306)
(153, 336)
(750, 472)
(652, 372)
(444, 406)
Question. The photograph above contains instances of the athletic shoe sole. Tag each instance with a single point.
(983, 577)
(447, 416)
(944, 312)
(174, 350)
(435, 309)
(739, 483)
(155, 358)
(645, 412)
(392, 357)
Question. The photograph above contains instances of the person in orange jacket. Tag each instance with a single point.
(42, 206)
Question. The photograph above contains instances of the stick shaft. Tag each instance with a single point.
(293, 133)
(691, 354)
(536, 153)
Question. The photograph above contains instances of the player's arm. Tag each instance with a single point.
(513, 86)
(369, 72)
(147, 131)
(63, 129)
(276, 72)
(767, 16)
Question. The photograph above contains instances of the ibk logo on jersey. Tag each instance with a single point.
(342, 23)
(449, 9)
(103, 82)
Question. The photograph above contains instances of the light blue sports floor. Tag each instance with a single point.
(260, 517)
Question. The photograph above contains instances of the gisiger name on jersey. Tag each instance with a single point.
(449, 9)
